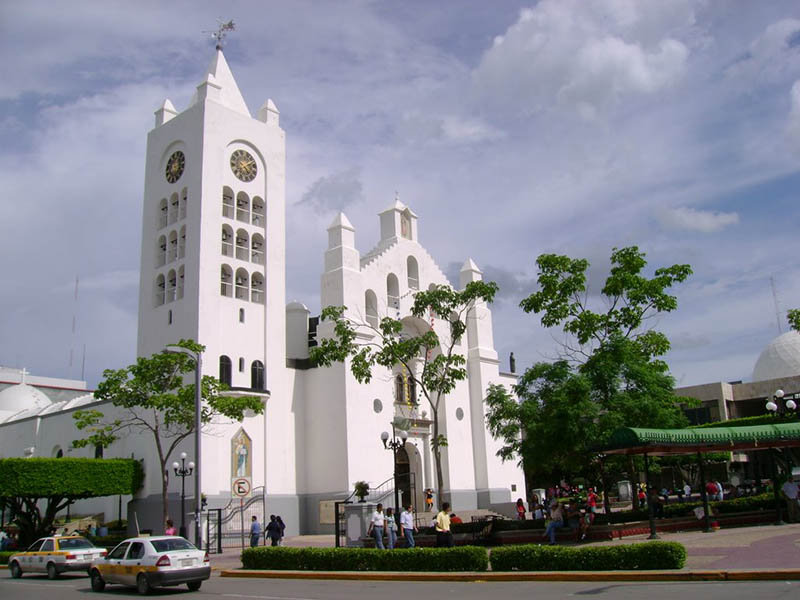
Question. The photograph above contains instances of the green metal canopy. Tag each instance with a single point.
(634, 440)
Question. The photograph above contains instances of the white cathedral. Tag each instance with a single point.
(213, 269)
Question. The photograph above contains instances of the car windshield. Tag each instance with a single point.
(74, 543)
(170, 544)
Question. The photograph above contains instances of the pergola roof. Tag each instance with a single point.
(634, 440)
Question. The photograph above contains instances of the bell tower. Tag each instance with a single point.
(213, 248)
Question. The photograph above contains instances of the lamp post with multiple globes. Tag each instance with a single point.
(394, 445)
(183, 471)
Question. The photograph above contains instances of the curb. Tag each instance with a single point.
(489, 576)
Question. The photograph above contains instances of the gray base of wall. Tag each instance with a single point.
(301, 513)
(461, 500)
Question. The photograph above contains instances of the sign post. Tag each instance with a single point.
(241, 487)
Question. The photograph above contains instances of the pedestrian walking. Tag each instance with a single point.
(376, 524)
(391, 528)
(282, 525)
(407, 526)
(255, 532)
(273, 531)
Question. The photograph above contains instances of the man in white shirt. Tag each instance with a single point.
(791, 490)
(376, 526)
(407, 526)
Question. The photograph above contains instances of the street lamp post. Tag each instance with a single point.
(394, 445)
(183, 471)
(781, 405)
(198, 407)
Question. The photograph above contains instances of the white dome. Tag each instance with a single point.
(781, 358)
(22, 397)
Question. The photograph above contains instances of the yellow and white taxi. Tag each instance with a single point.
(55, 555)
(148, 562)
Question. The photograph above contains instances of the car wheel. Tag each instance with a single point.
(16, 572)
(52, 572)
(98, 585)
(141, 584)
(194, 585)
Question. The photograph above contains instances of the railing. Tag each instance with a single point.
(243, 215)
(258, 257)
(226, 289)
(231, 526)
(161, 259)
(162, 220)
(257, 218)
(242, 292)
(227, 249)
(172, 255)
(413, 283)
(257, 296)
(393, 301)
(227, 210)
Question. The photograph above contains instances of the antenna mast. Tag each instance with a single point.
(775, 300)
(221, 32)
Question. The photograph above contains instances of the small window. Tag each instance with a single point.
(241, 315)
(257, 375)
(241, 364)
(118, 552)
(48, 546)
(225, 370)
(98, 451)
(169, 317)
(60, 453)
(136, 551)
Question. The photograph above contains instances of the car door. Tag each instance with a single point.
(27, 560)
(43, 555)
(130, 565)
(112, 569)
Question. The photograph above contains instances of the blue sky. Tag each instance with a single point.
(511, 128)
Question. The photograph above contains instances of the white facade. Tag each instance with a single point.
(213, 270)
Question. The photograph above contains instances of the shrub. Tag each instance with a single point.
(281, 558)
(650, 555)
(4, 556)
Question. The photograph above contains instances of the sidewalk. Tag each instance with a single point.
(746, 553)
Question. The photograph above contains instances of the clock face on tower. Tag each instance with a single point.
(175, 166)
(243, 165)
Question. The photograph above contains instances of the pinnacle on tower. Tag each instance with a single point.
(219, 75)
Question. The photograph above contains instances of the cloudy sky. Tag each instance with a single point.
(511, 128)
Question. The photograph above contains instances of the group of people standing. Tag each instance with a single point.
(387, 523)
(273, 531)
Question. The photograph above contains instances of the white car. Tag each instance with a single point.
(148, 562)
(55, 555)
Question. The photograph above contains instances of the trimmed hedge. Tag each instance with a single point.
(633, 557)
(282, 558)
(4, 556)
(69, 477)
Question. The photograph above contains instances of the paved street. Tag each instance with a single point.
(74, 587)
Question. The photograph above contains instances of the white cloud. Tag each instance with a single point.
(334, 192)
(770, 56)
(690, 219)
(584, 56)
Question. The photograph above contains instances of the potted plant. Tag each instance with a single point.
(361, 489)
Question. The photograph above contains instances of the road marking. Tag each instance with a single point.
(40, 584)
(266, 597)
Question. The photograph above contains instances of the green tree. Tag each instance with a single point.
(429, 358)
(152, 397)
(609, 377)
(26, 483)
(793, 315)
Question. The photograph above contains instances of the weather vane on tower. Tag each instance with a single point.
(221, 32)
